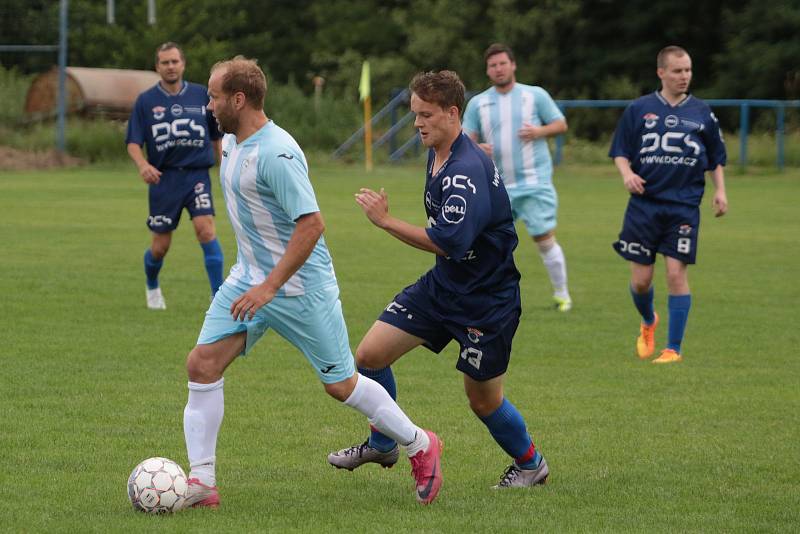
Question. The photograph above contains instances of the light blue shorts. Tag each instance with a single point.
(536, 206)
(313, 323)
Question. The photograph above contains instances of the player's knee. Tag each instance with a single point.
(545, 244)
(205, 234)
(341, 391)
(368, 358)
(482, 405)
(159, 250)
(640, 285)
(201, 367)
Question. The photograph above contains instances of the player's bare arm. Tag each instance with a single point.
(720, 201)
(304, 237)
(633, 182)
(529, 132)
(376, 208)
(149, 174)
(488, 148)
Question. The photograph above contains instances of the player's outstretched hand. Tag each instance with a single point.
(149, 174)
(720, 203)
(246, 306)
(375, 205)
(634, 183)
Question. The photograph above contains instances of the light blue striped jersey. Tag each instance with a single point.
(496, 118)
(266, 187)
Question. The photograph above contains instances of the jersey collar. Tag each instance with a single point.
(179, 93)
(456, 144)
(678, 105)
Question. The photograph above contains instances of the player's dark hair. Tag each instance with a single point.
(498, 48)
(169, 45)
(443, 88)
(672, 50)
(243, 75)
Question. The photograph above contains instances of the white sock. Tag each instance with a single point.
(420, 443)
(202, 418)
(556, 265)
(369, 398)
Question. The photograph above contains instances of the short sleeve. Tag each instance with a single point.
(465, 212)
(715, 143)
(136, 124)
(286, 175)
(546, 107)
(621, 145)
(471, 124)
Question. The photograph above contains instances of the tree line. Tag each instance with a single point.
(574, 48)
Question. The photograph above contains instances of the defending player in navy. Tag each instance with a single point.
(182, 140)
(664, 144)
(471, 294)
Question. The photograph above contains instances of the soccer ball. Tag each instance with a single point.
(157, 486)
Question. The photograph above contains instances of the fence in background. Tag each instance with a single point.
(391, 138)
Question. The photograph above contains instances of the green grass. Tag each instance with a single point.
(93, 382)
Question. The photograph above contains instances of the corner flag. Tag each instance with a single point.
(364, 95)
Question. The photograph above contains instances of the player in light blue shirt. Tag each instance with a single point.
(283, 279)
(511, 122)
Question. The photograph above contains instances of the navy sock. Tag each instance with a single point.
(214, 262)
(385, 378)
(644, 303)
(678, 306)
(152, 267)
(507, 427)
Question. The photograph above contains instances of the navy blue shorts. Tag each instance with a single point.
(178, 189)
(652, 226)
(484, 350)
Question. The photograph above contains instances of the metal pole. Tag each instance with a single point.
(110, 11)
(744, 126)
(779, 134)
(62, 76)
(151, 12)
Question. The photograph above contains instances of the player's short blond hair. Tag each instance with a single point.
(443, 88)
(243, 75)
(664, 53)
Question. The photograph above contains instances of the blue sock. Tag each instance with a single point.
(678, 306)
(644, 303)
(152, 267)
(214, 260)
(385, 378)
(507, 427)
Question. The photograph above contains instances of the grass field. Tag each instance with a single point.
(93, 382)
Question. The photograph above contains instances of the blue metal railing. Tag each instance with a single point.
(400, 98)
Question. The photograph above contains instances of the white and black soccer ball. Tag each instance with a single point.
(157, 486)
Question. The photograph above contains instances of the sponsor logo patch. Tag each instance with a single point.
(454, 209)
(158, 112)
(650, 120)
(671, 121)
(176, 110)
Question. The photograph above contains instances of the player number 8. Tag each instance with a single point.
(684, 245)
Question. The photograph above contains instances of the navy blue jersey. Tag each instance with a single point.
(177, 129)
(469, 218)
(671, 147)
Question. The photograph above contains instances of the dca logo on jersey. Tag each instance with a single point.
(454, 209)
(158, 112)
(650, 120)
(199, 187)
(474, 334)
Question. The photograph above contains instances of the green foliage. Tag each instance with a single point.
(571, 47)
(93, 382)
(13, 88)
